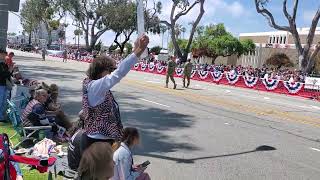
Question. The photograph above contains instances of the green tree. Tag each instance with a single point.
(182, 43)
(129, 48)
(28, 22)
(156, 50)
(89, 17)
(121, 18)
(179, 9)
(214, 41)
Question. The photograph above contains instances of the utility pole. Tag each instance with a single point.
(4, 23)
(5, 6)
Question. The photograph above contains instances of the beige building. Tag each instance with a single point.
(268, 43)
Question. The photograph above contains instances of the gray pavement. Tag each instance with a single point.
(205, 132)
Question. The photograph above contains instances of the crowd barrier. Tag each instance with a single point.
(217, 77)
(261, 84)
(87, 59)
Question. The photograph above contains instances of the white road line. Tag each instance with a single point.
(156, 82)
(315, 107)
(266, 98)
(154, 102)
(315, 149)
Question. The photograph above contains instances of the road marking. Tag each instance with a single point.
(315, 149)
(154, 102)
(226, 123)
(157, 82)
(228, 91)
(315, 107)
(243, 107)
(266, 98)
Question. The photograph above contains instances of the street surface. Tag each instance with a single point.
(206, 132)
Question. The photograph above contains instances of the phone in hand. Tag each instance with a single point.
(145, 164)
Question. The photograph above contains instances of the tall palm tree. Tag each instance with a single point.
(163, 30)
(183, 30)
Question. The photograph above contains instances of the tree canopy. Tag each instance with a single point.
(121, 17)
(214, 41)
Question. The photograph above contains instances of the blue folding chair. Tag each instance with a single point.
(14, 117)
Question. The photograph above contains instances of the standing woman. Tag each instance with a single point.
(102, 121)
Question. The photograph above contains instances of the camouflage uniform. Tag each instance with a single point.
(170, 72)
(187, 73)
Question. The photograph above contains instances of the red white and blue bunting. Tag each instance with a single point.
(143, 67)
(151, 67)
(136, 66)
(270, 84)
(193, 72)
(216, 76)
(160, 68)
(232, 78)
(250, 81)
(293, 88)
(203, 74)
(179, 71)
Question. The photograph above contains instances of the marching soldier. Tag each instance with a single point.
(187, 73)
(170, 72)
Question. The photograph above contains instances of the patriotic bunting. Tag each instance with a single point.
(203, 74)
(160, 68)
(179, 71)
(293, 88)
(136, 66)
(143, 67)
(270, 84)
(232, 78)
(193, 72)
(151, 67)
(216, 76)
(250, 81)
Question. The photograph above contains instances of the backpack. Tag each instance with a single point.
(7, 171)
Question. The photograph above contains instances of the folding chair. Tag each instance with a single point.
(14, 116)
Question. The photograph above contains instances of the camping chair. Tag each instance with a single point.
(14, 117)
(7, 171)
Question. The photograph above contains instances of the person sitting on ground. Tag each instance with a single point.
(74, 144)
(96, 162)
(34, 114)
(53, 107)
(102, 115)
(124, 167)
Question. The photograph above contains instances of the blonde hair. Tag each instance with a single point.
(97, 159)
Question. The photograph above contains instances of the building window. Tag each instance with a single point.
(270, 39)
(281, 40)
(284, 39)
(278, 40)
(274, 39)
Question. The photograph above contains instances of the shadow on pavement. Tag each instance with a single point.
(154, 125)
(192, 160)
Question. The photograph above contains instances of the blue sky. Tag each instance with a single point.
(239, 16)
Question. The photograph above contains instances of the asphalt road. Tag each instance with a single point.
(205, 132)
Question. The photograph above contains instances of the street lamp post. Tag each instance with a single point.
(4, 23)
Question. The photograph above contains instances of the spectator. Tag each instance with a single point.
(96, 162)
(102, 120)
(43, 53)
(34, 114)
(5, 83)
(53, 108)
(9, 61)
(65, 55)
(124, 167)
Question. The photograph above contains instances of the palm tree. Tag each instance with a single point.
(163, 29)
(178, 30)
(183, 30)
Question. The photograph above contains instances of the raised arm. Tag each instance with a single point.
(98, 88)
